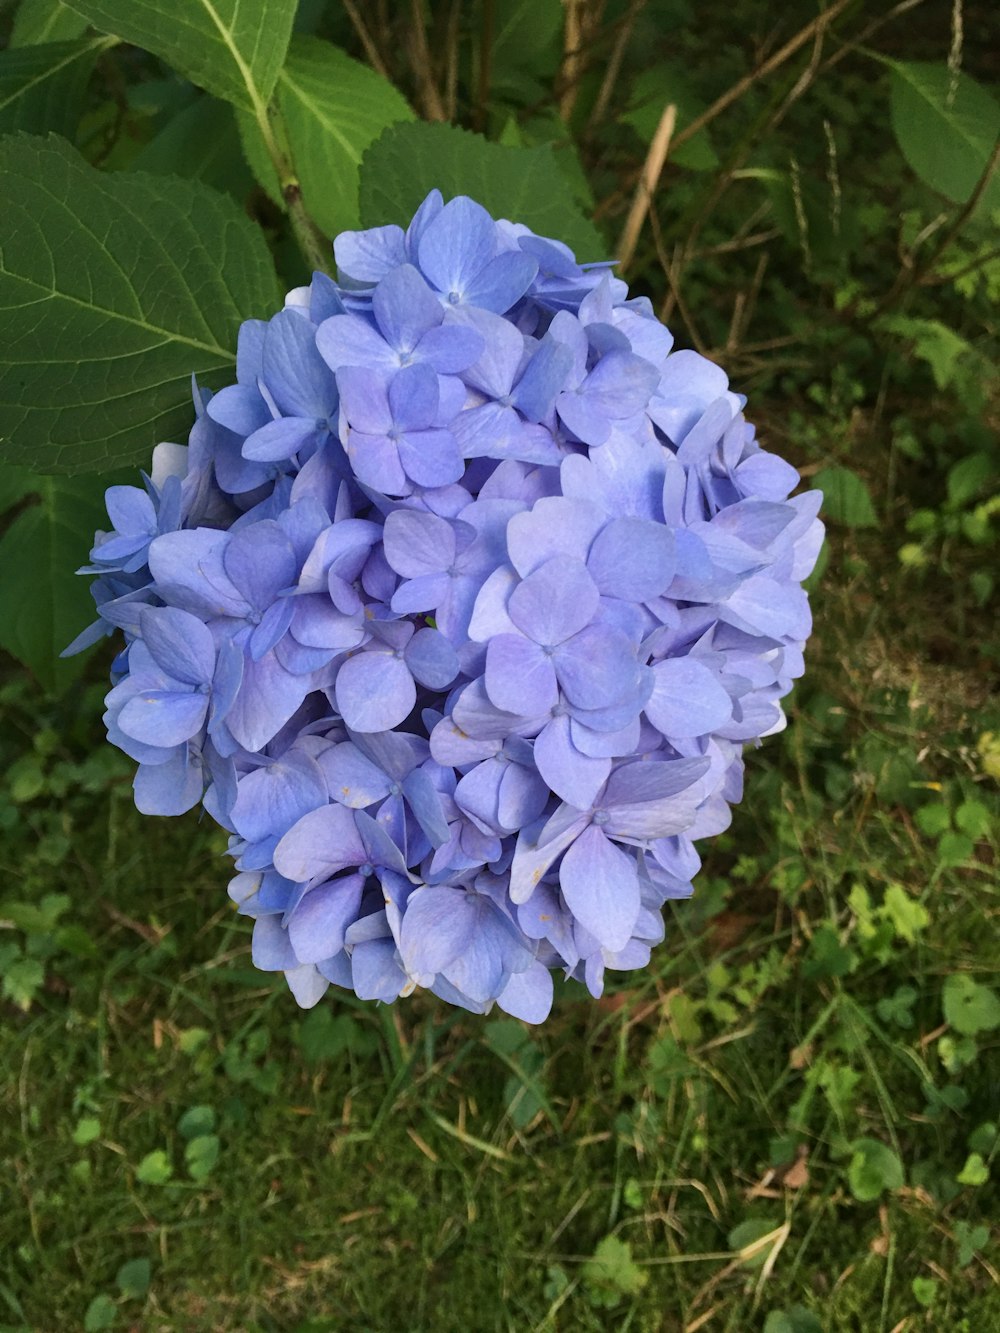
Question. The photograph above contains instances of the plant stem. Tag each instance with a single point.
(314, 246)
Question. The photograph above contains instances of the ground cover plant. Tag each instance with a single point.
(789, 1120)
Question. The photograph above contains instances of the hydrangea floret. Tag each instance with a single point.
(457, 611)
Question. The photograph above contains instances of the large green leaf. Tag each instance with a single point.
(40, 21)
(521, 184)
(946, 127)
(234, 48)
(333, 109)
(42, 87)
(50, 525)
(114, 290)
(201, 142)
(846, 498)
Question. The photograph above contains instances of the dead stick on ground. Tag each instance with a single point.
(648, 181)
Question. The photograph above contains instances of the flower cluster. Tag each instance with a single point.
(456, 611)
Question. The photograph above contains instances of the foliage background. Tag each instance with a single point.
(788, 1124)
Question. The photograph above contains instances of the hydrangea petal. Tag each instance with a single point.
(601, 886)
(375, 691)
(316, 928)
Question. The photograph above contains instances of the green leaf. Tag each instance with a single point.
(970, 1239)
(983, 1138)
(745, 1237)
(908, 916)
(933, 819)
(233, 48)
(968, 477)
(896, 1008)
(196, 1120)
(873, 1168)
(955, 848)
(333, 109)
(86, 1131)
(795, 1320)
(941, 347)
(846, 498)
(49, 532)
(201, 1155)
(101, 371)
(655, 89)
(924, 1291)
(22, 980)
(202, 143)
(969, 1007)
(975, 1171)
(525, 38)
(155, 1168)
(520, 184)
(43, 87)
(39, 21)
(827, 957)
(611, 1273)
(133, 1278)
(973, 818)
(101, 1313)
(323, 1037)
(946, 126)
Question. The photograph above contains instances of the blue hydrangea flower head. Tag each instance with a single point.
(456, 611)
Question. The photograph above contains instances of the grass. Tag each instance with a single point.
(189, 1152)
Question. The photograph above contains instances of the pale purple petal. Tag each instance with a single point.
(597, 668)
(632, 558)
(601, 886)
(375, 691)
(267, 698)
(554, 602)
(375, 460)
(307, 984)
(430, 457)
(417, 542)
(348, 340)
(271, 799)
(353, 778)
(528, 994)
(323, 842)
(163, 718)
(502, 282)
(574, 777)
(297, 377)
(279, 439)
(438, 925)
(413, 397)
(364, 399)
(553, 526)
(687, 700)
(519, 677)
(172, 788)
(405, 308)
(260, 562)
(367, 256)
(316, 927)
(457, 246)
(432, 659)
(179, 644)
(271, 949)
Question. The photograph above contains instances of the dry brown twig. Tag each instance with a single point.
(653, 166)
(365, 38)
